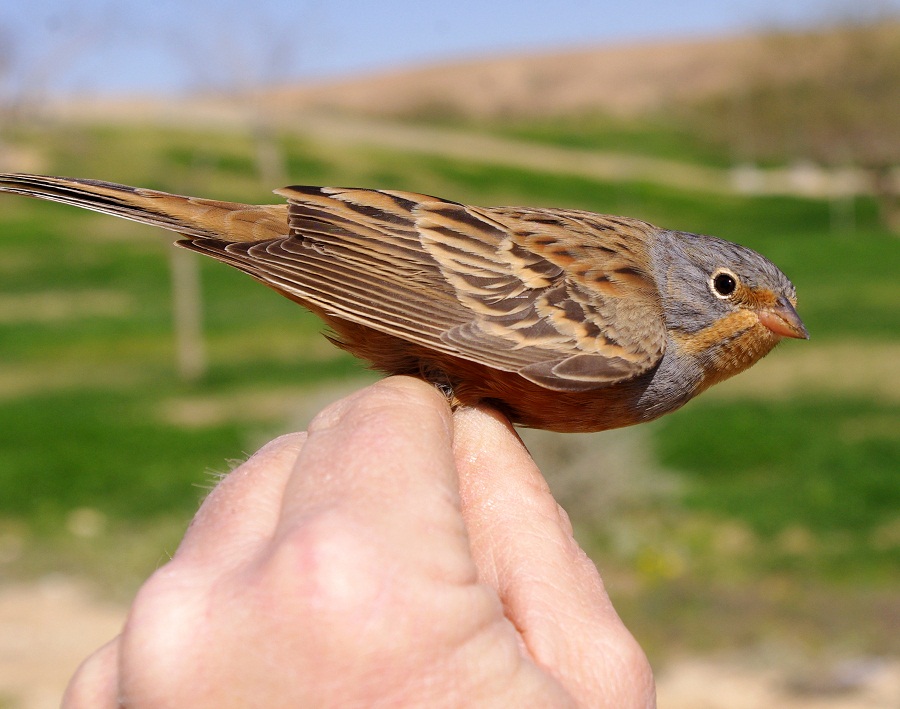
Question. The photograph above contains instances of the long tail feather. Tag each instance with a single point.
(193, 217)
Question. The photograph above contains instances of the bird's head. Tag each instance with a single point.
(724, 304)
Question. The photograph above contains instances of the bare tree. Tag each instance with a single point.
(241, 53)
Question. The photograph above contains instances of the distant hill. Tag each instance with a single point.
(617, 79)
(620, 80)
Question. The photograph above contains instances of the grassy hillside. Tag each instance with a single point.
(750, 503)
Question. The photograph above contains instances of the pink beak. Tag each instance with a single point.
(783, 320)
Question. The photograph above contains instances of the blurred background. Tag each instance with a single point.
(750, 541)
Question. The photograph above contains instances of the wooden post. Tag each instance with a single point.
(187, 309)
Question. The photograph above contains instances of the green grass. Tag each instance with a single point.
(661, 138)
(114, 450)
(104, 451)
(810, 481)
(818, 468)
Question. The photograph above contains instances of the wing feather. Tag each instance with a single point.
(561, 297)
(555, 295)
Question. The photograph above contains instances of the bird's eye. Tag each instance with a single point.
(724, 283)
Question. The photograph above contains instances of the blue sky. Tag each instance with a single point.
(108, 46)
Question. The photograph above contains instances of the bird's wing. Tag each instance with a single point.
(561, 297)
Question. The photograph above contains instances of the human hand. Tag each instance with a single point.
(394, 555)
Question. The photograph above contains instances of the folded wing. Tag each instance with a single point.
(555, 295)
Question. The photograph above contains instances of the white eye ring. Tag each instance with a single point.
(723, 283)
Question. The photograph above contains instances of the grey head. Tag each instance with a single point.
(703, 280)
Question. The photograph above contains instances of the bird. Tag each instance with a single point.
(561, 319)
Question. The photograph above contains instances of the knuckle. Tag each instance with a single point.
(326, 564)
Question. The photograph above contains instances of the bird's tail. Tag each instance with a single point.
(192, 217)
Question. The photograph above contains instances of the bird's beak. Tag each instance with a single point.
(783, 320)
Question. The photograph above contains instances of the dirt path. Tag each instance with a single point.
(805, 180)
(485, 148)
(46, 630)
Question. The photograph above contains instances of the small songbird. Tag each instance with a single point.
(563, 319)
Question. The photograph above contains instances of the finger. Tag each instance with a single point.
(242, 511)
(382, 459)
(95, 683)
(523, 546)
